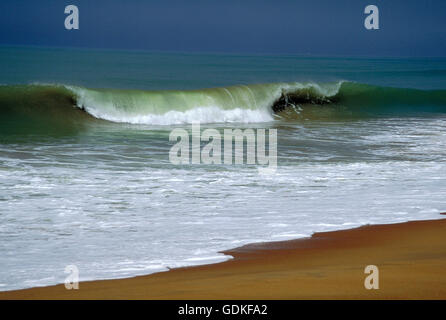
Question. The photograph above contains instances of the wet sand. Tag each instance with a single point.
(411, 258)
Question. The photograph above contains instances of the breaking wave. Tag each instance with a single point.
(34, 106)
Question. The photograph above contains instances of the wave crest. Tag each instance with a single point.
(243, 103)
(47, 106)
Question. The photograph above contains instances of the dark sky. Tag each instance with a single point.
(318, 27)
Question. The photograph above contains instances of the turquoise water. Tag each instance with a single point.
(159, 71)
(85, 176)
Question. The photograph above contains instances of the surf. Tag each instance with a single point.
(65, 107)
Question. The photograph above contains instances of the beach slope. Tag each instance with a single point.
(411, 258)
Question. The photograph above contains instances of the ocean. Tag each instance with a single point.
(86, 180)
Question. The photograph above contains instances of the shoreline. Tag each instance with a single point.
(411, 257)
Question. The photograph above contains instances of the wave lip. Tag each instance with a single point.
(242, 104)
(169, 108)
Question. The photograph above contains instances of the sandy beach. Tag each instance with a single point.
(411, 258)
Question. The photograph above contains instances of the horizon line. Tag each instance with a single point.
(227, 53)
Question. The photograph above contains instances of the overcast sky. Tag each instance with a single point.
(315, 27)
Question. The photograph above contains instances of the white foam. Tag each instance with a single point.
(200, 114)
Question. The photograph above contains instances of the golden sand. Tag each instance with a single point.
(411, 258)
